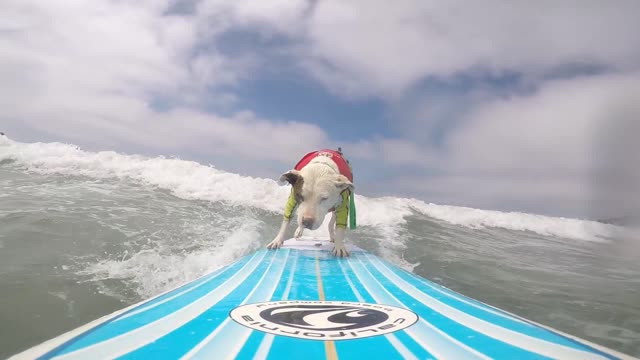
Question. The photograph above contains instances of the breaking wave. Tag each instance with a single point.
(193, 181)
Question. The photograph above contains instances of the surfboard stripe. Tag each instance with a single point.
(111, 328)
(122, 344)
(179, 292)
(228, 338)
(303, 288)
(483, 328)
(272, 290)
(195, 330)
(193, 320)
(465, 335)
(531, 328)
(264, 348)
(428, 336)
(329, 346)
(337, 289)
(459, 300)
(267, 340)
(413, 346)
(404, 352)
(506, 321)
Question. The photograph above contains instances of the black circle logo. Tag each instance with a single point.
(324, 317)
(323, 320)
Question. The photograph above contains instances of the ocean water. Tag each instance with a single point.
(83, 234)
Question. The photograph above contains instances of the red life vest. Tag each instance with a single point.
(337, 158)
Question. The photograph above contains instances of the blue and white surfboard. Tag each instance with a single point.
(300, 302)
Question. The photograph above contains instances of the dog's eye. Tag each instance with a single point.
(324, 198)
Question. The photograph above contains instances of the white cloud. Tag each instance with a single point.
(277, 16)
(371, 48)
(569, 146)
(554, 129)
(88, 72)
(96, 72)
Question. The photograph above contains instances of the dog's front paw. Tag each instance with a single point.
(340, 251)
(298, 232)
(275, 244)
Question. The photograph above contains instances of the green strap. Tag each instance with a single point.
(352, 211)
(291, 205)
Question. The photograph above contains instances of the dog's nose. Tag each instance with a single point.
(307, 222)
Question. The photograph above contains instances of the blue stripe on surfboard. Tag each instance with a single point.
(446, 294)
(181, 340)
(473, 339)
(415, 348)
(337, 289)
(264, 347)
(527, 337)
(229, 338)
(149, 333)
(478, 311)
(113, 328)
(432, 339)
(175, 293)
(363, 278)
(303, 288)
(403, 342)
(253, 343)
(251, 346)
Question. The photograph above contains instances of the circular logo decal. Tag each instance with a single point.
(323, 320)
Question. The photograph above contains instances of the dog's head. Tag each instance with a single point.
(316, 194)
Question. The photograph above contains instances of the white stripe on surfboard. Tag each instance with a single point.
(523, 341)
(47, 346)
(134, 339)
(397, 344)
(267, 340)
(186, 290)
(471, 302)
(432, 339)
(440, 289)
(221, 348)
(353, 288)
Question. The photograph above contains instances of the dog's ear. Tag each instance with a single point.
(343, 183)
(291, 176)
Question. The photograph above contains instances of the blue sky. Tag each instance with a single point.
(482, 105)
(288, 96)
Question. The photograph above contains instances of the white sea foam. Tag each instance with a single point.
(191, 180)
(540, 224)
(163, 268)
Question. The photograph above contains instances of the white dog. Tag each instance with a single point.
(321, 183)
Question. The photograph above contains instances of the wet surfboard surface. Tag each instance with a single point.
(302, 302)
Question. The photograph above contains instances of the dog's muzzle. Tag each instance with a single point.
(307, 222)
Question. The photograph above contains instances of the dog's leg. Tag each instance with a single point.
(338, 247)
(298, 232)
(332, 227)
(277, 242)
